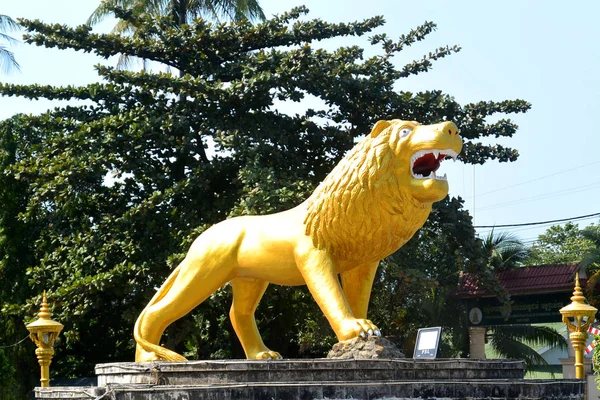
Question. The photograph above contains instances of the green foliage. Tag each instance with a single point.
(513, 341)
(559, 244)
(505, 251)
(568, 243)
(591, 263)
(414, 287)
(596, 359)
(180, 12)
(7, 372)
(105, 197)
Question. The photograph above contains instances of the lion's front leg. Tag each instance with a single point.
(357, 284)
(319, 272)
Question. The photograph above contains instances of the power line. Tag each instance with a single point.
(532, 180)
(15, 344)
(527, 228)
(538, 223)
(542, 196)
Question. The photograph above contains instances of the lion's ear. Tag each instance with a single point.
(378, 127)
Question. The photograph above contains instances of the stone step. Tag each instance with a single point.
(305, 370)
(370, 390)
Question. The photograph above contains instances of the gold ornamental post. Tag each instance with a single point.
(44, 332)
(573, 316)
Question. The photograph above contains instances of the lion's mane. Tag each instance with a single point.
(361, 212)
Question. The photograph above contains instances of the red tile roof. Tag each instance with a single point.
(549, 278)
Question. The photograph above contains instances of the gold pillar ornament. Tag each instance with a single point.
(573, 316)
(44, 332)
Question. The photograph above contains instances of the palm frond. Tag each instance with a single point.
(7, 60)
(232, 10)
(9, 39)
(513, 349)
(125, 61)
(592, 233)
(100, 13)
(8, 24)
(105, 9)
(591, 258)
(123, 28)
(504, 250)
(512, 341)
(592, 281)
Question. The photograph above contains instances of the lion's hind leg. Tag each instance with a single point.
(247, 292)
(198, 278)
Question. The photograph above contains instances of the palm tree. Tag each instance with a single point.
(7, 58)
(182, 11)
(505, 251)
(515, 341)
(591, 262)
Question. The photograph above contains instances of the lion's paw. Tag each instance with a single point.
(358, 327)
(268, 355)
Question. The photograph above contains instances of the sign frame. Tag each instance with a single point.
(427, 343)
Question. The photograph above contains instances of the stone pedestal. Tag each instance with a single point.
(319, 379)
(477, 342)
(568, 367)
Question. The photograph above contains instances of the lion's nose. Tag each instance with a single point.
(448, 127)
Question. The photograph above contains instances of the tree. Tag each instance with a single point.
(415, 286)
(16, 255)
(101, 246)
(7, 58)
(181, 11)
(505, 251)
(515, 341)
(560, 244)
(591, 262)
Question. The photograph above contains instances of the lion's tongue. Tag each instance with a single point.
(426, 164)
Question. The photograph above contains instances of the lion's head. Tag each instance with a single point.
(381, 192)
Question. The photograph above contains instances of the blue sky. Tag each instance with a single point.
(545, 52)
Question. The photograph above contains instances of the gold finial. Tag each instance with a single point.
(578, 296)
(44, 310)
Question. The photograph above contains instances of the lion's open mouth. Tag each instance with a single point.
(424, 163)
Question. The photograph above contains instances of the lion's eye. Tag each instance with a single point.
(405, 132)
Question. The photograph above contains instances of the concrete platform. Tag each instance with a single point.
(319, 379)
(310, 370)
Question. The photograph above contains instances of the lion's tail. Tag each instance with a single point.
(161, 352)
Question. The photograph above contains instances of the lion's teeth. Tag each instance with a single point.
(436, 154)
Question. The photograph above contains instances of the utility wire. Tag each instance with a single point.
(15, 344)
(532, 180)
(542, 196)
(538, 223)
(527, 228)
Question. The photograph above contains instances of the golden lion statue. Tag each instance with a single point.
(372, 203)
